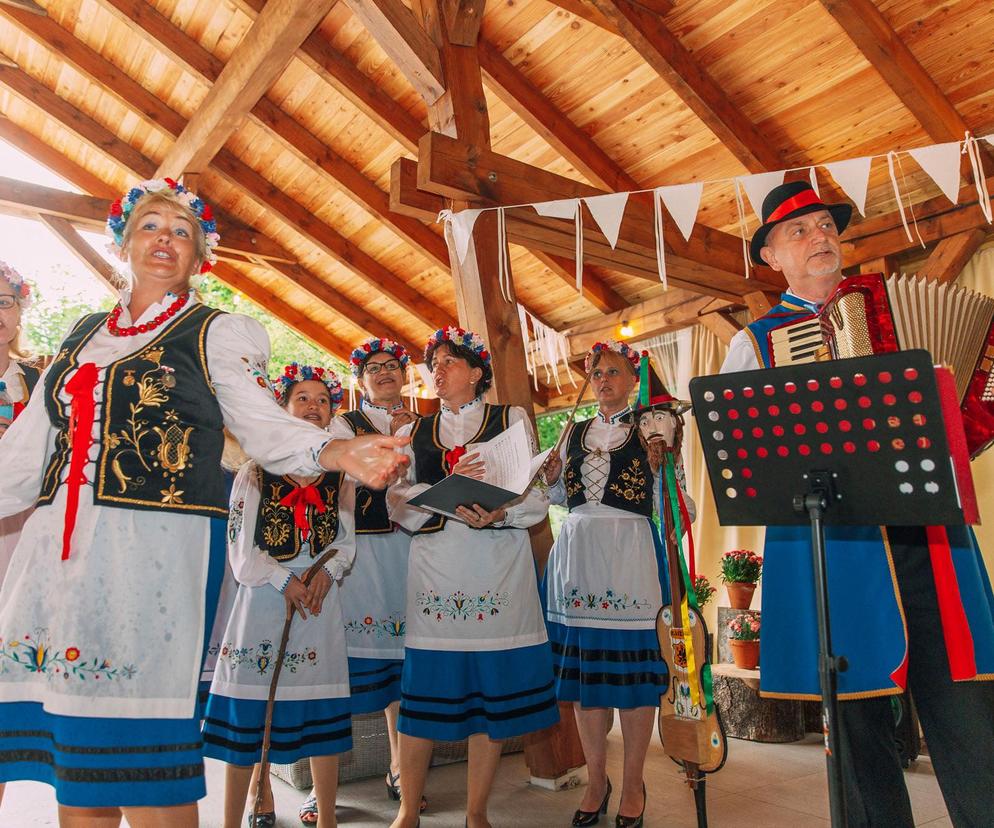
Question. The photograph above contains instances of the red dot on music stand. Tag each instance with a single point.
(729, 394)
(783, 451)
(750, 491)
(748, 392)
(762, 452)
(774, 410)
(826, 448)
(737, 433)
(733, 414)
(794, 408)
(849, 447)
(835, 382)
(742, 454)
(789, 387)
(757, 432)
(897, 444)
(845, 425)
(915, 397)
(804, 449)
(818, 406)
(859, 379)
(869, 423)
(821, 428)
(777, 430)
(841, 405)
(864, 402)
(894, 422)
(812, 385)
(799, 429)
(769, 390)
(918, 419)
(752, 411)
(746, 472)
(873, 445)
(889, 399)
(884, 377)
(911, 373)
(924, 443)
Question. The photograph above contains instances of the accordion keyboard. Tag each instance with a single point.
(797, 343)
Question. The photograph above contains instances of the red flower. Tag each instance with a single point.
(366, 347)
(170, 182)
(484, 356)
(207, 213)
(367, 620)
(115, 208)
(72, 654)
(205, 267)
(479, 616)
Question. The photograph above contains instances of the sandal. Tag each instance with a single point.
(308, 812)
(265, 819)
(393, 790)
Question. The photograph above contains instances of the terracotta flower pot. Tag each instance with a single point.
(745, 653)
(740, 594)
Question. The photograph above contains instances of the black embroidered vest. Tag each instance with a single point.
(31, 375)
(160, 423)
(275, 530)
(629, 482)
(371, 516)
(429, 453)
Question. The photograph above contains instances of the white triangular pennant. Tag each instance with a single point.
(608, 211)
(989, 139)
(683, 202)
(941, 162)
(462, 224)
(814, 183)
(852, 176)
(564, 208)
(758, 186)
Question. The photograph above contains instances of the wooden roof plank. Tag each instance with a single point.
(77, 245)
(27, 5)
(662, 50)
(947, 260)
(253, 67)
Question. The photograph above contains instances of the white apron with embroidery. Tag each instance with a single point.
(10, 527)
(602, 570)
(117, 630)
(470, 589)
(374, 592)
(315, 665)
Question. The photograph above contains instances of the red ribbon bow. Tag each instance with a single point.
(452, 457)
(299, 499)
(81, 413)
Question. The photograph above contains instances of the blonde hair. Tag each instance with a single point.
(147, 202)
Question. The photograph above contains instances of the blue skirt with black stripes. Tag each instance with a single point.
(374, 683)
(451, 695)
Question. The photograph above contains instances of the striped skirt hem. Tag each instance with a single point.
(374, 683)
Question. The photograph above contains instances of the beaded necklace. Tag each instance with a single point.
(145, 327)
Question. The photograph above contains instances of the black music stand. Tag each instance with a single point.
(856, 441)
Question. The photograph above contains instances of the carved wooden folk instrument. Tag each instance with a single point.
(689, 725)
(267, 732)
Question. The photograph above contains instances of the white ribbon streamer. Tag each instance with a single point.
(657, 207)
(891, 156)
(579, 249)
(979, 178)
(743, 228)
(503, 256)
(352, 392)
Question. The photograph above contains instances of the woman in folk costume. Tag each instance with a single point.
(477, 662)
(375, 591)
(605, 583)
(103, 610)
(278, 526)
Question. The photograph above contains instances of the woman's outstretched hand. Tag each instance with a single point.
(372, 459)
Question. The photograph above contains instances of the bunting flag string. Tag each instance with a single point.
(971, 148)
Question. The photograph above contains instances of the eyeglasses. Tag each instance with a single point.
(390, 365)
(7, 302)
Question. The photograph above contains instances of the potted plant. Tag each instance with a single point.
(703, 591)
(743, 635)
(740, 571)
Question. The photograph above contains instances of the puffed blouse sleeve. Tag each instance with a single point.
(342, 561)
(533, 506)
(401, 512)
(24, 452)
(237, 357)
(557, 491)
(250, 565)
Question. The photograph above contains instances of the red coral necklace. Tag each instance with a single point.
(145, 327)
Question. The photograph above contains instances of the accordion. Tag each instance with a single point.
(870, 314)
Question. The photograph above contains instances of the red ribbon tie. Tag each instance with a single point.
(299, 499)
(452, 457)
(81, 413)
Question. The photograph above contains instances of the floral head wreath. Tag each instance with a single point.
(622, 348)
(294, 373)
(374, 346)
(120, 212)
(459, 336)
(16, 281)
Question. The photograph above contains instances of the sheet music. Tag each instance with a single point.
(507, 459)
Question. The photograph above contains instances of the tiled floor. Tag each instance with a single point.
(761, 786)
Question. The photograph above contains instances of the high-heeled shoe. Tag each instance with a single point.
(393, 790)
(581, 819)
(632, 822)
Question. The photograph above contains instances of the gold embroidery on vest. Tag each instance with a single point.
(276, 530)
(573, 484)
(174, 443)
(633, 482)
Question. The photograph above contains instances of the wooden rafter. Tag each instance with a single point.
(258, 60)
(26, 5)
(64, 231)
(674, 63)
(721, 325)
(950, 255)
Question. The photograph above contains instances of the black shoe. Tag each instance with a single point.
(265, 819)
(393, 789)
(632, 822)
(583, 818)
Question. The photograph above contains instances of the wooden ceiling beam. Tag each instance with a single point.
(26, 5)
(595, 290)
(947, 260)
(258, 60)
(676, 65)
(721, 325)
(550, 123)
(64, 231)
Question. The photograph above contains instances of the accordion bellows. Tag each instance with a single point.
(868, 314)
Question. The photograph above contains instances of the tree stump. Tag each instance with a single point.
(746, 715)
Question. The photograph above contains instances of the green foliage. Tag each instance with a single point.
(52, 313)
(550, 425)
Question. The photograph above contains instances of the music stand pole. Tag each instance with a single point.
(820, 494)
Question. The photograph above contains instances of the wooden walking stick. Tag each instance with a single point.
(268, 730)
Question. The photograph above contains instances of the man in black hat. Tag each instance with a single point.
(883, 596)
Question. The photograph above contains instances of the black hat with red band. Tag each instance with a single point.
(788, 201)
